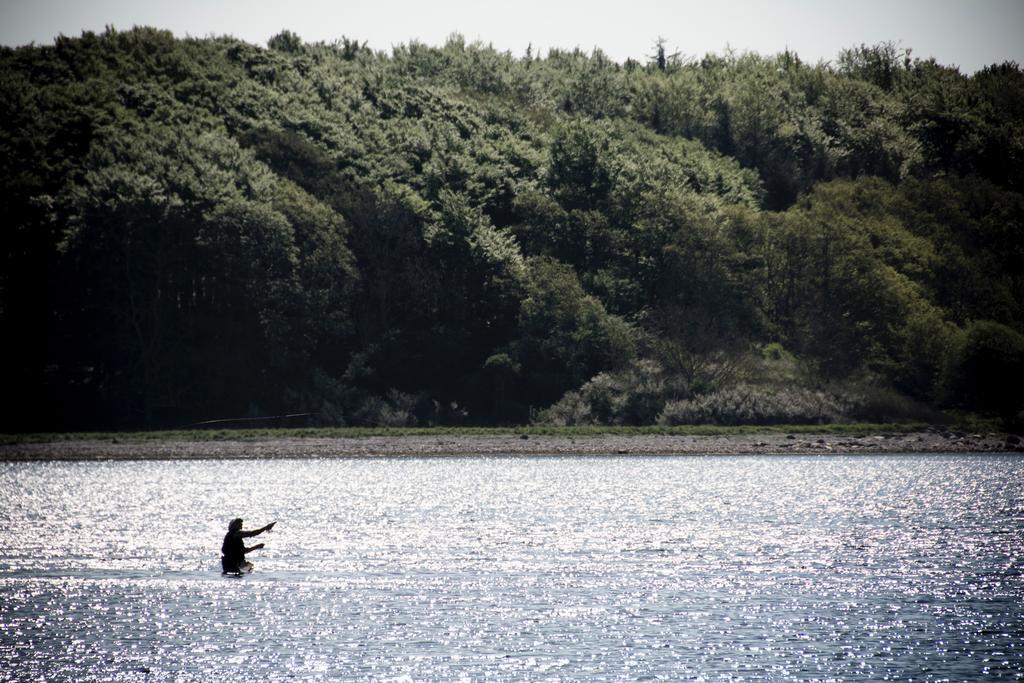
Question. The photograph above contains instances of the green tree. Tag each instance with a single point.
(984, 368)
(565, 336)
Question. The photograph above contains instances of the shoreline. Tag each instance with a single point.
(498, 445)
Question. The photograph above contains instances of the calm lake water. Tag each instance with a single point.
(860, 567)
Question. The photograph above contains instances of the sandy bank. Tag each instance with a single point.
(510, 445)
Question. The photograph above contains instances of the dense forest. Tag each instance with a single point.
(203, 228)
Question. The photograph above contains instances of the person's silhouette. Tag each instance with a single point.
(233, 550)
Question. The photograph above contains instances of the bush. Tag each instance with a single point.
(752, 404)
(634, 396)
(871, 403)
(397, 409)
(986, 370)
(571, 410)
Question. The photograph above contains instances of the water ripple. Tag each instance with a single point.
(550, 568)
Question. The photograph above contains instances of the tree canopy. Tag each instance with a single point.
(204, 228)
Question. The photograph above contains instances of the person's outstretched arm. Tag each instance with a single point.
(255, 547)
(257, 532)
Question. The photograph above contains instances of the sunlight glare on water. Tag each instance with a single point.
(868, 567)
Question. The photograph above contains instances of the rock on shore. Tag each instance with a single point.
(510, 445)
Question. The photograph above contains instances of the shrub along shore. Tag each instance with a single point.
(534, 441)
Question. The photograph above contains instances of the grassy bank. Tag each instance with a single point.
(852, 429)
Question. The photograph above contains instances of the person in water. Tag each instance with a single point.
(233, 550)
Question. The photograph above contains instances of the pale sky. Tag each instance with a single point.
(966, 33)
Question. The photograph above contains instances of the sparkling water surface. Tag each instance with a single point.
(574, 568)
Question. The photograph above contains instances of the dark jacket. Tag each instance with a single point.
(233, 549)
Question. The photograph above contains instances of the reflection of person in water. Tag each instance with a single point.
(233, 558)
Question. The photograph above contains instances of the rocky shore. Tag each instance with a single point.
(512, 445)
